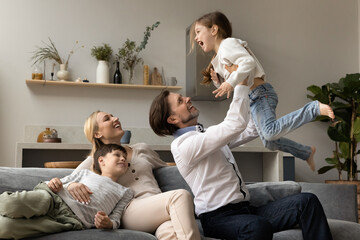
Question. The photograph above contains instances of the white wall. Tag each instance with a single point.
(299, 42)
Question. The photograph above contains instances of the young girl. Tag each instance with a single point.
(234, 62)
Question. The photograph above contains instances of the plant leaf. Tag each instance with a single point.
(357, 126)
(103, 52)
(320, 94)
(331, 160)
(345, 150)
(325, 169)
(339, 132)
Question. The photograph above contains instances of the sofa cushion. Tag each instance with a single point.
(344, 229)
(95, 234)
(264, 192)
(340, 230)
(169, 178)
(291, 234)
(330, 195)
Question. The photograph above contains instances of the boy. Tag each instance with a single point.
(49, 208)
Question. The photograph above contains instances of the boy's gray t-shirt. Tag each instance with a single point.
(108, 196)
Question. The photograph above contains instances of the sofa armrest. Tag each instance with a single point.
(339, 201)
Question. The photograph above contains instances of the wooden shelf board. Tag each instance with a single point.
(99, 85)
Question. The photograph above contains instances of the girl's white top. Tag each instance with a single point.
(233, 51)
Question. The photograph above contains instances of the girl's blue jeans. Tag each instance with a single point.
(263, 102)
(240, 221)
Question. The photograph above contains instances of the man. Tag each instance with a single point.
(205, 161)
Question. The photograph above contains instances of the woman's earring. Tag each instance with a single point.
(129, 164)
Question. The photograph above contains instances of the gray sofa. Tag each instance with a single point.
(339, 202)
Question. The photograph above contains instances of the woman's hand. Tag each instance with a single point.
(224, 88)
(79, 192)
(55, 185)
(102, 221)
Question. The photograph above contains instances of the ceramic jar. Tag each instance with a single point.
(63, 74)
(48, 136)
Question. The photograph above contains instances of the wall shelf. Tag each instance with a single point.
(33, 154)
(99, 85)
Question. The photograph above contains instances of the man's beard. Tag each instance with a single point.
(192, 116)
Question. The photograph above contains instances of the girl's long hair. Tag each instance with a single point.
(224, 31)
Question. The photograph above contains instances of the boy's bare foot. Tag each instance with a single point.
(326, 110)
(310, 160)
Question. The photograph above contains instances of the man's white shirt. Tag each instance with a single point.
(205, 160)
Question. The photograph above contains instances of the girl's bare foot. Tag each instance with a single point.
(326, 110)
(310, 160)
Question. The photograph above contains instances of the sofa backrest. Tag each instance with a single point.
(169, 178)
(17, 179)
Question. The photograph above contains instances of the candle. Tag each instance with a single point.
(146, 75)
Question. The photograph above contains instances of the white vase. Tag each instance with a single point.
(102, 72)
(63, 74)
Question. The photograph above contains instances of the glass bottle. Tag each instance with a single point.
(117, 75)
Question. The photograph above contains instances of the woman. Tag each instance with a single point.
(170, 215)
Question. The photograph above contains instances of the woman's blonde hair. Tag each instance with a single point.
(90, 128)
(224, 31)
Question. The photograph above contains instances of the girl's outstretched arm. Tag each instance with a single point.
(225, 88)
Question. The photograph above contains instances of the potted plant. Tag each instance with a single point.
(102, 54)
(129, 52)
(49, 51)
(344, 98)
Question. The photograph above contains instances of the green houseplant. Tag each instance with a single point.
(128, 54)
(344, 98)
(102, 54)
